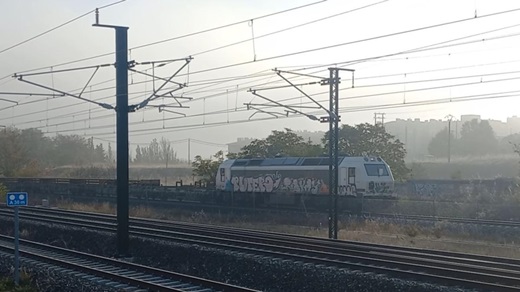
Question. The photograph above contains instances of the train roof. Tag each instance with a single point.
(299, 161)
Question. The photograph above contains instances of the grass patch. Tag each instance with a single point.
(437, 236)
(7, 284)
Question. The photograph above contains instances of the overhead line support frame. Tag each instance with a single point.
(333, 119)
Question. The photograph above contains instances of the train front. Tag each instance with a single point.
(379, 178)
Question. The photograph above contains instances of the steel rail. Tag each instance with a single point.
(119, 271)
(444, 268)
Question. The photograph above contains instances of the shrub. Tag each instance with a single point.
(3, 192)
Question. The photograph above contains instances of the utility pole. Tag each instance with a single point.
(333, 119)
(449, 117)
(379, 118)
(122, 109)
(189, 151)
(333, 150)
(123, 238)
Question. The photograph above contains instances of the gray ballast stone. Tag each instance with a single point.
(261, 273)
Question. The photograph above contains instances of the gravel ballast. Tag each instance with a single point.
(262, 273)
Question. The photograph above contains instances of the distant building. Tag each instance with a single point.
(513, 124)
(469, 118)
(416, 134)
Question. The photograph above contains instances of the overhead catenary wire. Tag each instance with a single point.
(58, 26)
(142, 132)
(272, 33)
(425, 47)
(173, 38)
(359, 86)
(354, 42)
(455, 67)
(308, 102)
(287, 29)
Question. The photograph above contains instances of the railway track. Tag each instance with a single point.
(112, 272)
(440, 267)
(499, 223)
(197, 206)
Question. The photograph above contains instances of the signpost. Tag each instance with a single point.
(16, 199)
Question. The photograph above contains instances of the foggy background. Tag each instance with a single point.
(415, 61)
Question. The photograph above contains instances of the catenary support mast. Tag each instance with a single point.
(123, 238)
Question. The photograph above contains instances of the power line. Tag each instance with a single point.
(295, 105)
(288, 99)
(177, 37)
(143, 132)
(59, 26)
(503, 12)
(290, 28)
(416, 50)
(354, 42)
(358, 78)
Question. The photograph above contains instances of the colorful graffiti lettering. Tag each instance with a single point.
(263, 184)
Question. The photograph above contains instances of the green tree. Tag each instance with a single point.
(110, 154)
(99, 153)
(438, 145)
(505, 143)
(37, 146)
(69, 149)
(372, 140)
(206, 169)
(3, 193)
(418, 171)
(138, 155)
(477, 138)
(13, 154)
(284, 143)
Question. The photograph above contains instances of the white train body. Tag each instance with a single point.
(367, 176)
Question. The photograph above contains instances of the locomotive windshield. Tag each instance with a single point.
(376, 170)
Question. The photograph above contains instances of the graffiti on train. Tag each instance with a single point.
(379, 187)
(275, 183)
(347, 190)
(264, 184)
(303, 185)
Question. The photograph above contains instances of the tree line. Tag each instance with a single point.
(477, 138)
(28, 152)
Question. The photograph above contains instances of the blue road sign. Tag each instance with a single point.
(17, 199)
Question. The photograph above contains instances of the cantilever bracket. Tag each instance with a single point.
(291, 109)
(154, 94)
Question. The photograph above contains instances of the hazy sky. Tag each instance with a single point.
(468, 52)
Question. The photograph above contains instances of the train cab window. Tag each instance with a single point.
(376, 170)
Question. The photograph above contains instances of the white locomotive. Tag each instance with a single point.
(358, 176)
